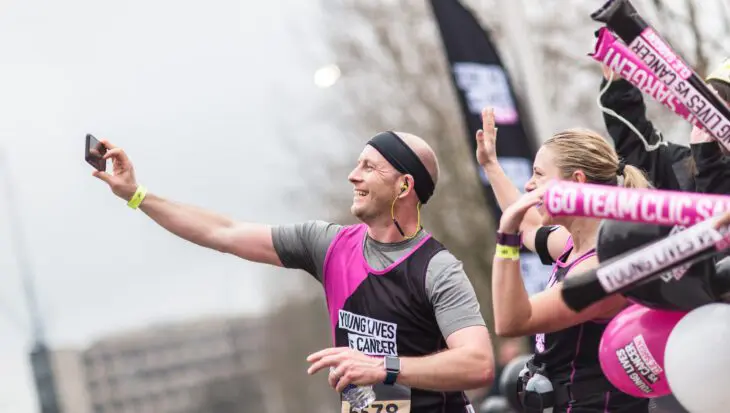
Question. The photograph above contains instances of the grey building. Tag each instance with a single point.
(211, 364)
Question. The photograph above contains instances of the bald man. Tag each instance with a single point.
(404, 315)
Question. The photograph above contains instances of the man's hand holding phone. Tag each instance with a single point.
(121, 181)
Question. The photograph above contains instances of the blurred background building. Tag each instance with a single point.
(175, 368)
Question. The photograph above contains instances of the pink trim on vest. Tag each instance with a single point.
(396, 263)
(582, 258)
(345, 268)
(560, 264)
(568, 246)
(573, 263)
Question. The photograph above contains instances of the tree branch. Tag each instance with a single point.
(699, 55)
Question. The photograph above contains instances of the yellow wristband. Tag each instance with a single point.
(138, 197)
(507, 252)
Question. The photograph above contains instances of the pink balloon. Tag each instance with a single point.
(631, 351)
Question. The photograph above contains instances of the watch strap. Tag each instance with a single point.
(392, 369)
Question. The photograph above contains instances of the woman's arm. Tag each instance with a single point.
(507, 193)
(504, 190)
(516, 314)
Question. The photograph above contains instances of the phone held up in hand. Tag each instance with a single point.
(95, 151)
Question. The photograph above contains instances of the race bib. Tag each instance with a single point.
(388, 399)
(390, 406)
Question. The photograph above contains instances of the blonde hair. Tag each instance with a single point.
(587, 151)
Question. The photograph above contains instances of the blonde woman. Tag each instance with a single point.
(566, 342)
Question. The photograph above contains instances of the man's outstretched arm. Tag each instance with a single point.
(249, 241)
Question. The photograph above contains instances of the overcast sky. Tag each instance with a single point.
(200, 94)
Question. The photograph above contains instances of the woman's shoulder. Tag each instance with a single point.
(583, 263)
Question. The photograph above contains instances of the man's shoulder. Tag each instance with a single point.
(321, 223)
(441, 254)
(312, 234)
(443, 264)
(312, 226)
(443, 258)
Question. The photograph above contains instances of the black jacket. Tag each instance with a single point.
(669, 166)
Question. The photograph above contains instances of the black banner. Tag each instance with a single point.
(482, 81)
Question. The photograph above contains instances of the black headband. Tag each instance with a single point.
(403, 159)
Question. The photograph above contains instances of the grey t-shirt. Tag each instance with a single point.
(304, 246)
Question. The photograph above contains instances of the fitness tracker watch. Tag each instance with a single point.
(509, 240)
(392, 369)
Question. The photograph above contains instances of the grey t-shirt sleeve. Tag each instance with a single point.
(452, 295)
(304, 245)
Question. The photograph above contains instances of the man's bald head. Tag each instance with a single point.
(424, 152)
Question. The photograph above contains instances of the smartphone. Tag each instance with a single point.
(95, 151)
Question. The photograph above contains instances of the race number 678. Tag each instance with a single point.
(378, 408)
